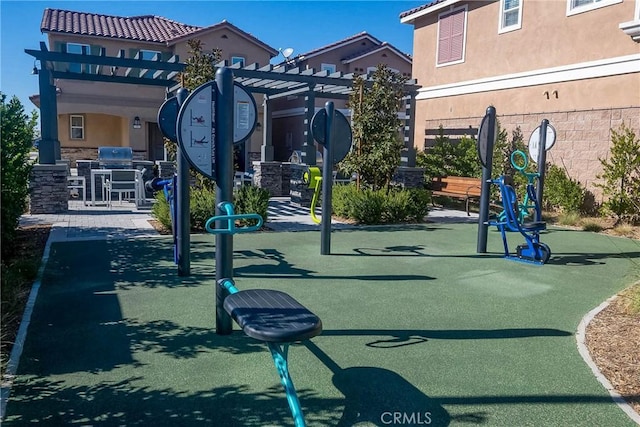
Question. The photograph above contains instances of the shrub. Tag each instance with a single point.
(396, 206)
(341, 199)
(202, 207)
(592, 226)
(569, 218)
(251, 199)
(247, 199)
(446, 158)
(632, 300)
(621, 174)
(562, 192)
(368, 207)
(419, 204)
(381, 206)
(17, 130)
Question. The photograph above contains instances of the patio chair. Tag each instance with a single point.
(75, 183)
(123, 181)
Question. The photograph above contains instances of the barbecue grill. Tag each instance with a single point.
(115, 157)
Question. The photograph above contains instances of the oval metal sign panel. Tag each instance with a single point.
(244, 115)
(483, 139)
(342, 138)
(168, 118)
(534, 141)
(196, 129)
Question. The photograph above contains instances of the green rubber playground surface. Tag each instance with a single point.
(418, 330)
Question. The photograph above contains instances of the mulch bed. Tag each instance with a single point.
(612, 338)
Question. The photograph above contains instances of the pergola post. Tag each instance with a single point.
(309, 146)
(266, 150)
(49, 146)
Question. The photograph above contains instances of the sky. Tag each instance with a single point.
(301, 25)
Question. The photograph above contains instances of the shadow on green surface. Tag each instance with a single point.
(380, 396)
(404, 337)
(123, 403)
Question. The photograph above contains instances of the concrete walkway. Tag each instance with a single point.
(124, 221)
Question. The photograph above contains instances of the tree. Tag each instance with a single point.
(375, 154)
(621, 174)
(17, 131)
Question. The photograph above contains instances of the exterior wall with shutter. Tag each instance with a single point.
(579, 71)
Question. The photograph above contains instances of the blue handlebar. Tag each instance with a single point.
(230, 217)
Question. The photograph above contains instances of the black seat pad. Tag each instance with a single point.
(272, 316)
(534, 225)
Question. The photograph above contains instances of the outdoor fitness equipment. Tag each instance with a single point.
(168, 187)
(313, 178)
(332, 130)
(525, 208)
(270, 316)
(533, 251)
(266, 315)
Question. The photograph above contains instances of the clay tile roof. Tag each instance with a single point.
(419, 8)
(146, 28)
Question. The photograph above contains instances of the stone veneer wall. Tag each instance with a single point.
(408, 177)
(48, 193)
(582, 137)
(268, 175)
(75, 154)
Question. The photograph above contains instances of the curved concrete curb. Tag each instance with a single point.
(16, 351)
(584, 352)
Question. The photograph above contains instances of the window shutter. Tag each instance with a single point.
(451, 36)
(444, 39)
(457, 35)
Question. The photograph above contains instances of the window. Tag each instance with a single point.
(76, 127)
(510, 15)
(331, 68)
(80, 49)
(149, 55)
(451, 34)
(237, 60)
(579, 6)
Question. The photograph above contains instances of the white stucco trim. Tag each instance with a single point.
(581, 71)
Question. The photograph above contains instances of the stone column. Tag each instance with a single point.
(408, 177)
(48, 189)
(268, 175)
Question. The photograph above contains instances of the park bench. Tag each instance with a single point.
(459, 187)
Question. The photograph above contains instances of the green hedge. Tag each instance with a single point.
(380, 206)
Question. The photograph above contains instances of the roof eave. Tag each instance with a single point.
(304, 57)
(387, 47)
(273, 52)
(409, 19)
